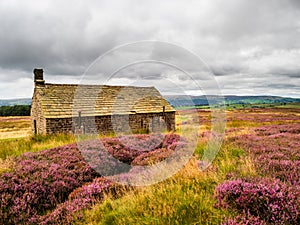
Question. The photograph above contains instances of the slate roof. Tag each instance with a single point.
(65, 100)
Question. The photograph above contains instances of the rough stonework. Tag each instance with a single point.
(70, 108)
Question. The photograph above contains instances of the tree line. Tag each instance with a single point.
(15, 110)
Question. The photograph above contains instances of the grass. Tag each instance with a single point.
(6, 165)
(186, 198)
(13, 147)
(236, 106)
(16, 146)
(290, 105)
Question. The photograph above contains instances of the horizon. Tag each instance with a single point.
(8, 99)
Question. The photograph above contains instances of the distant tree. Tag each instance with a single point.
(16, 110)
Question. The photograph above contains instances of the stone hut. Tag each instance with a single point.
(72, 108)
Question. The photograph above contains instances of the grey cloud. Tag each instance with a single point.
(284, 86)
(295, 75)
(289, 73)
(227, 70)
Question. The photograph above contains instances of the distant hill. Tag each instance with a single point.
(179, 100)
(11, 102)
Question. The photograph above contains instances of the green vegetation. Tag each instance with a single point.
(234, 106)
(16, 110)
(13, 147)
(18, 146)
(289, 105)
(186, 198)
(235, 101)
(174, 202)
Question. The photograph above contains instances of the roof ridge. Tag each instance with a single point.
(95, 85)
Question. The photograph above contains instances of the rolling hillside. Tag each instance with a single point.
(11, 102)
(181, 100)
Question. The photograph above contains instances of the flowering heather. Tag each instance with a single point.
(275, 150)
(40, 181)
(111, 156)
(127, 148)
(81, 198)
(157, 155)
(244, 219)
(144, 142)
(270, 200)
(153, 157)
(266, 116)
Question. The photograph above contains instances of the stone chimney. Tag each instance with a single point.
(38, 76)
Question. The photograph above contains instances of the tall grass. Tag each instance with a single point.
(178, 200)
(17, 146)
(186, 198)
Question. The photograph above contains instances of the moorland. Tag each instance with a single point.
(254, 179)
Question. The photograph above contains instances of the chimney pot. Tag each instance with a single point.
(38, 76)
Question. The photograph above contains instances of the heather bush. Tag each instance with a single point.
(111, 156)
(40, 181)
(81, 198)
(244, 219)
(144, 142)
(264, 116)
(275, 150)
(158, 155)
(152, 157)
(105, 160)
(171, 139)
(269, 199)
(127, 148)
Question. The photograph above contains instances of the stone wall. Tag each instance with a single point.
(113, 124)
(59, 125)
(37, 117)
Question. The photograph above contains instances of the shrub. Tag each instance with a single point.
(270, 200)
(152, 157)
(244, 220)
(40, 181)
(43, 181)
(81, 198)
(275, 150)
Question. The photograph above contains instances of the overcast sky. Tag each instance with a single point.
(251, 46)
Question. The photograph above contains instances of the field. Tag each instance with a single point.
(255, 178)
(14, 127)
